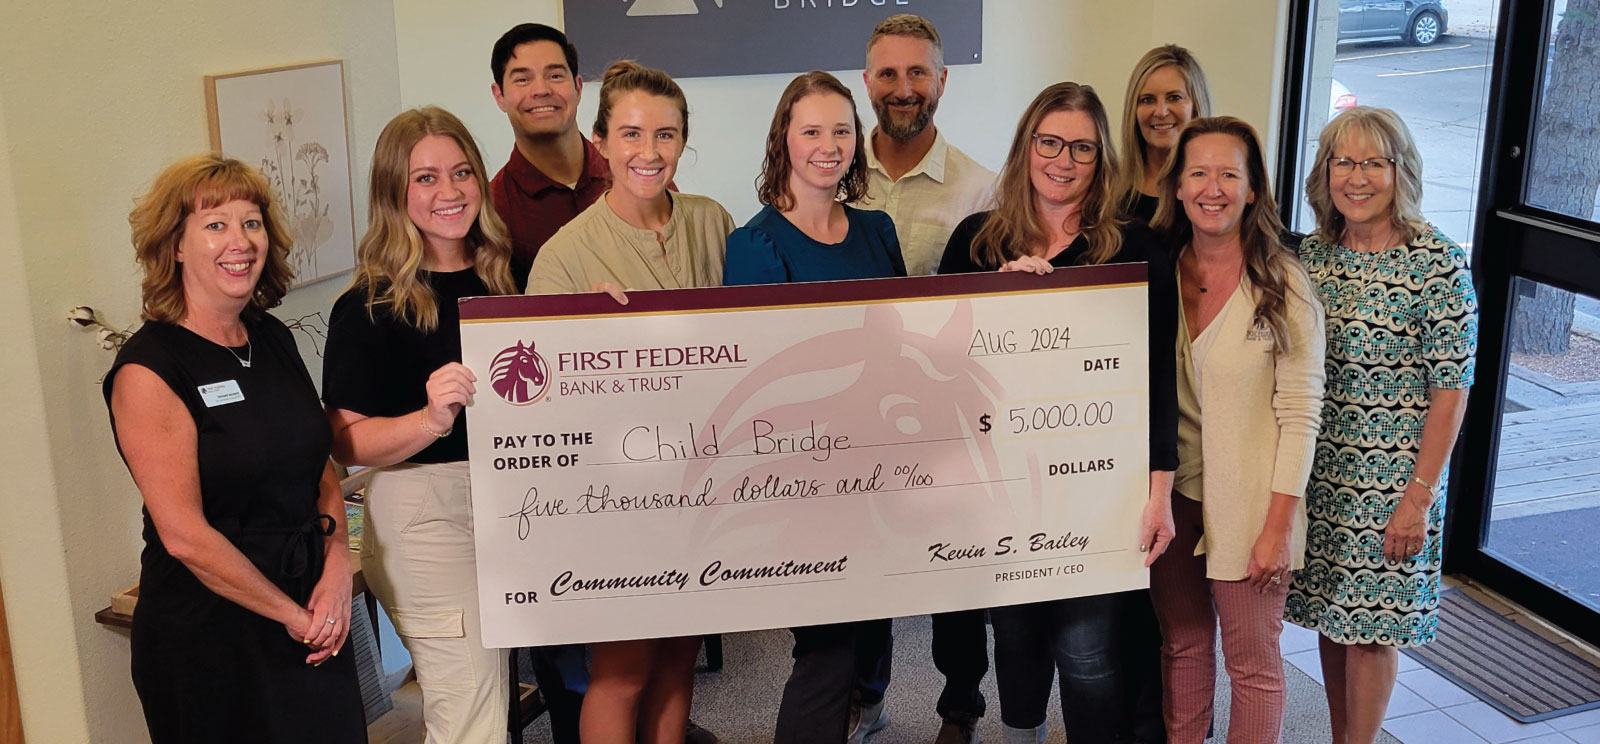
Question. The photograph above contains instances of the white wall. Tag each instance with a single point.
(38, 604)
(1027, 45)
(97, 98)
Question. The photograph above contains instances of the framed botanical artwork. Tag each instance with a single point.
(290, 122)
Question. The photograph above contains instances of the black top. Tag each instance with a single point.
(1139, 244)
(1144, 208)
(207, 669)
(377, 365)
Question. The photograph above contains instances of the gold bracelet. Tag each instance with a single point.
(1432, 489)
(422, 418)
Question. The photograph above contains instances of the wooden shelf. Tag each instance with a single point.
(113, 619)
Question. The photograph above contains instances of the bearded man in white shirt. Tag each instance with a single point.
(925, 184)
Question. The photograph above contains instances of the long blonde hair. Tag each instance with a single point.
(390, 256)
(1267, 261)
(1385, 129)
(1133, 143)
(181, 189)
(1015, 227)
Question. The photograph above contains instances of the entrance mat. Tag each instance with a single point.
(1506, 665)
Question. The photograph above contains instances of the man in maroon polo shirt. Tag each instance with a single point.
(554, 172)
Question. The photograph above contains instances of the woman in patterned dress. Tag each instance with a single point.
(1402, 334)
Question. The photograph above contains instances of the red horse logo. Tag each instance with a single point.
(519, 375)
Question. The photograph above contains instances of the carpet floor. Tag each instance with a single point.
(740, 702)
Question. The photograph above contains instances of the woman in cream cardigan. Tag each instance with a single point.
(1250, 351)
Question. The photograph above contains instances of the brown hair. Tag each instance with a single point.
(181, 189)
(626, 75)
(1015, 228)
(1133, 144)
(1267, 261)
(772, 185)
(1386, 130)
(390, 255)
(915, 26)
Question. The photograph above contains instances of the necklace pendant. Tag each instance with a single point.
(244, 363)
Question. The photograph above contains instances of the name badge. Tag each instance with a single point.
(221, 393)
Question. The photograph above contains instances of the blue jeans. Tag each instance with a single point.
(1075, 638)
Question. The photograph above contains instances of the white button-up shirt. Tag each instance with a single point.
(928, 201)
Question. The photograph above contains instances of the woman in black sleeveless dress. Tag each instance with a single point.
(245, 577)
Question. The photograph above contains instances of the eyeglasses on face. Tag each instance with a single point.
(1370, 166)
(1050, 146)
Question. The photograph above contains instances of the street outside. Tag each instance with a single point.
(1547, 497)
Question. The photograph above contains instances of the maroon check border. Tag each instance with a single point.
(797, 294)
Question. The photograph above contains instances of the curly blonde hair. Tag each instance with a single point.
(189, 185)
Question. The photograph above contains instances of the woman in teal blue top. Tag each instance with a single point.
(815, 167)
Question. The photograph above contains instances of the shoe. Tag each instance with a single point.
(961, 730)
(1033, 735)
(693, 734)
(866, 721)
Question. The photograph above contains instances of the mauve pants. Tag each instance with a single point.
(1190, 606)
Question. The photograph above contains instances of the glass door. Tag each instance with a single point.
(1526, 498)
(1504, 105)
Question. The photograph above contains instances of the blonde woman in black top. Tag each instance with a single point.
(394, 387)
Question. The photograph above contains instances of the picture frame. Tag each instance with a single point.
(290, 122)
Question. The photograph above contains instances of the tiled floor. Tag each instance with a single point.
(1426, 708)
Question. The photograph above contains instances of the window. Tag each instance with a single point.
(1429, 61)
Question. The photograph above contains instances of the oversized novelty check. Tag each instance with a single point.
(716, 460)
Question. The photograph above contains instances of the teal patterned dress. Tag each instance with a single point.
(1399, 322)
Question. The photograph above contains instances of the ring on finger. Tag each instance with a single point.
(331, 621)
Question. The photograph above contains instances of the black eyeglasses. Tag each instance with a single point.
(1370, 166)
(1083, 152)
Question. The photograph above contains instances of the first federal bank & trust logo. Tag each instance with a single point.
(665, 7)
(519, 375)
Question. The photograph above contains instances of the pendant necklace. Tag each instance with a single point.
(244, 361)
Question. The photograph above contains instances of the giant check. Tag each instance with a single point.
(714, 460)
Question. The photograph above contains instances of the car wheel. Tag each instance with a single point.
(1425, 29)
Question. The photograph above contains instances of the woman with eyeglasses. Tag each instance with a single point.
(1402, 329)
(1055, 206)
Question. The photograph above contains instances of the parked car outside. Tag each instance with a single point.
(1340, 98)
(1417, 22)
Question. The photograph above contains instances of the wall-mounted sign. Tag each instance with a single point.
(708, 38)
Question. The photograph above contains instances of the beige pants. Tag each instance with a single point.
(418, 557)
